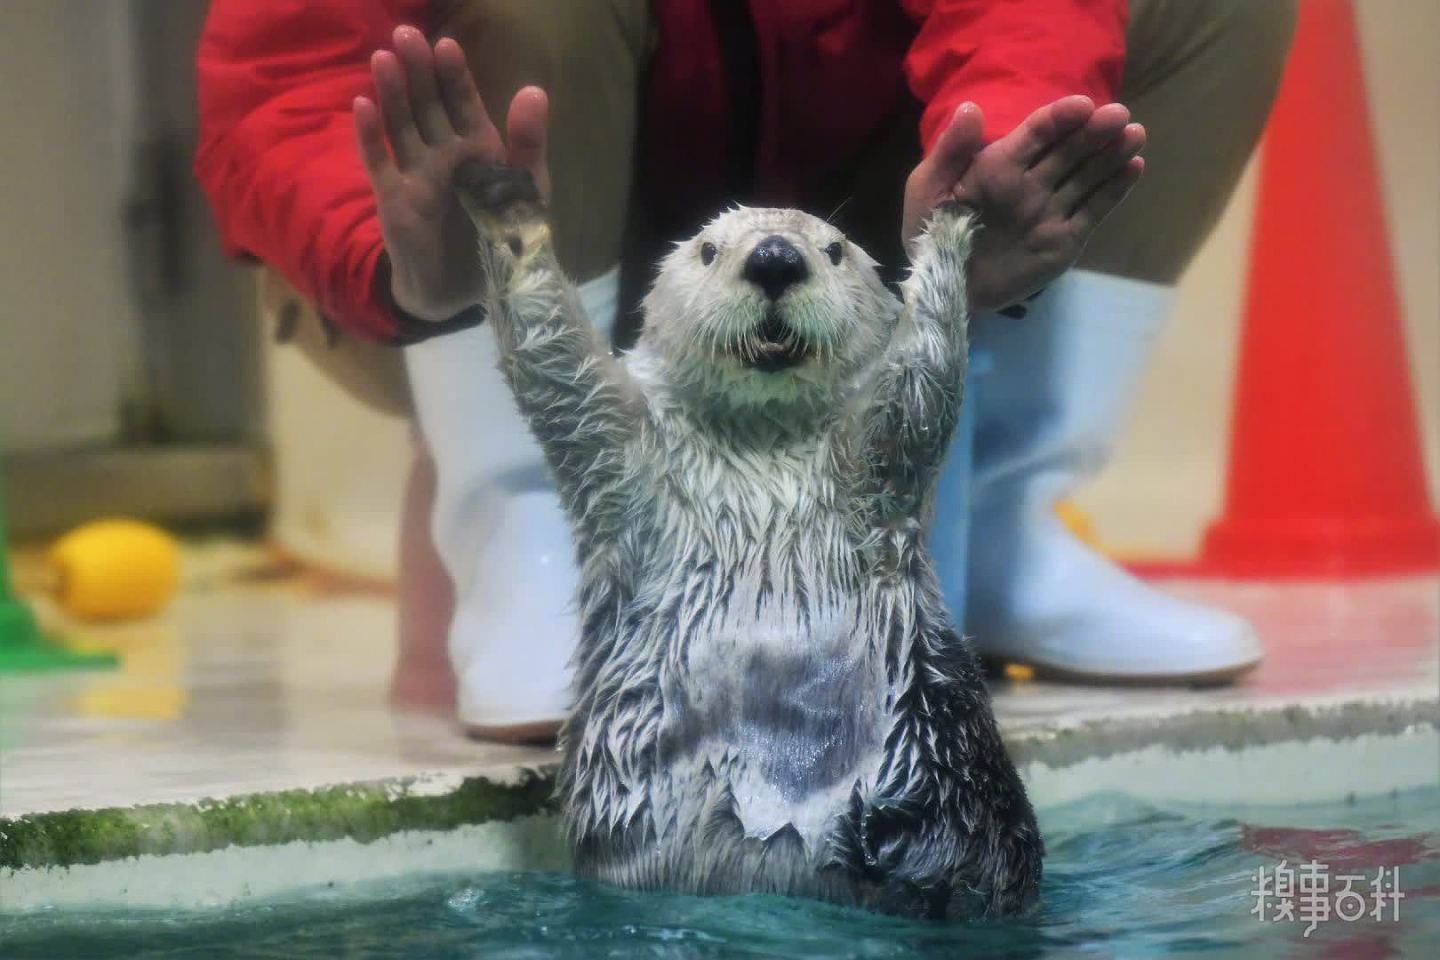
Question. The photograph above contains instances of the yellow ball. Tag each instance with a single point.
(1019, 672)
(115, 569)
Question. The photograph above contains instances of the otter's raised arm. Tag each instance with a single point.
(578, 400)
(910, 414)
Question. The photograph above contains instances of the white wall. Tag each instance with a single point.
(67, 329)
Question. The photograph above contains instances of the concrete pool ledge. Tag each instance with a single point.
(1287, 755)
(1228, 728)
(233, 873)
(362, 812)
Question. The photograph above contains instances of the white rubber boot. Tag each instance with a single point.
(1047, 414)
(501, 533)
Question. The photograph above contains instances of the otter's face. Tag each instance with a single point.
(767, 306)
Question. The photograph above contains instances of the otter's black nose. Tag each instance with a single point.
(774, 265)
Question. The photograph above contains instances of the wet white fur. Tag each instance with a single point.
(766, 675)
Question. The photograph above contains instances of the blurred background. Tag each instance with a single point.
(130, 361)
(138, 378)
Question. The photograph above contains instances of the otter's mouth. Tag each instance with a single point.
(773, 346)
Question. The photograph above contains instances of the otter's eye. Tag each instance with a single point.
(835, 251)
(707, 253)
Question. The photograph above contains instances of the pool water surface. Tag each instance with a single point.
(1122, 879)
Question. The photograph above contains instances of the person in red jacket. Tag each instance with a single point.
(878, 108)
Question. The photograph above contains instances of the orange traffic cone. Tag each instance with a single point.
(1325, 471)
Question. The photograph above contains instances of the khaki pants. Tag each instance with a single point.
(1200, 74)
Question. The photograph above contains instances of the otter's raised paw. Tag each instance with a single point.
(503, 201)
(951, 225)
(495, 189)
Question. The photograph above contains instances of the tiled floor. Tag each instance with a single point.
(250, 687)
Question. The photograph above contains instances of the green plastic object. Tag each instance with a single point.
(22, 645)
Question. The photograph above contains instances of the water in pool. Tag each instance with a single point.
(1122, 879)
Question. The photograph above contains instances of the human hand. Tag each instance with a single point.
(432, 118)
(1040, 191)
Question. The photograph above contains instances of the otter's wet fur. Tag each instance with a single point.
(769, 693)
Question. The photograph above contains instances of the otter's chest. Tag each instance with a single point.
(772, 517)
(754, 552)
(771, 656)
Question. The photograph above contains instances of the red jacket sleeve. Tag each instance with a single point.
(1012, 56)
(277, 153)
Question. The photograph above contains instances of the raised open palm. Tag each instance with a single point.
(429, 120)
(1040, 191)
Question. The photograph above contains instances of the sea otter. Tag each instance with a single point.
(769, 694)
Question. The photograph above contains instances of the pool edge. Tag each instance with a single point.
(503, 817)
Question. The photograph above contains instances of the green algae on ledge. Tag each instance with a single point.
(358, 811)
(370, 810)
